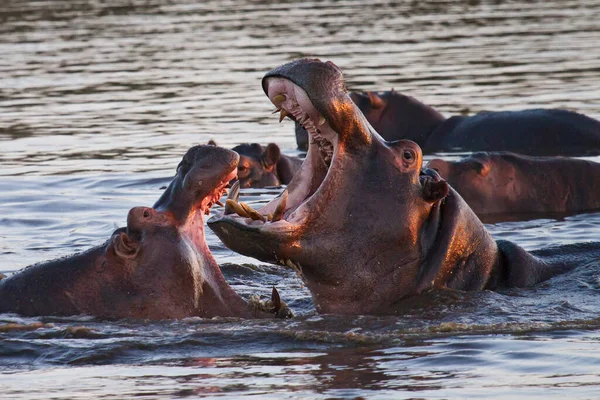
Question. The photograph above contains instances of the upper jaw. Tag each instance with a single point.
(294, 206)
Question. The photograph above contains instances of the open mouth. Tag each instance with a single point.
(293, 206)
(213, 197)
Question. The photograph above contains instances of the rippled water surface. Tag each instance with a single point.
(100, 99)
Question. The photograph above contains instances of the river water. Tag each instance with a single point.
(100, 99)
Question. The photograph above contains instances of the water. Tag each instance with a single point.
(99, 101)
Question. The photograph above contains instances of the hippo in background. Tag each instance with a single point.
(158, 267)
(261, 166)
(362, 223)
(508, 183)
(540, 132)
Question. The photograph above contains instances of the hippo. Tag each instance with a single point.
(362, 223)
(264, 166)
(158, 267)
(538, 132)
(508, 183)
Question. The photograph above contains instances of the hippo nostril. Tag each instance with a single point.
(146, 214)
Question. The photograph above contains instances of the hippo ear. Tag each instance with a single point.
(376, 101)
(482, 167)
(435, 191)
(125, 246)
(211, 143)
(271, 155)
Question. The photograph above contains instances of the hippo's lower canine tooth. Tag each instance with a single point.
(234, 192)
(252, 213)
(280, 209)
(231, 207)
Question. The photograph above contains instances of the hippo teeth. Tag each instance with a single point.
(232, 198)
(280, 209)
(283, 114)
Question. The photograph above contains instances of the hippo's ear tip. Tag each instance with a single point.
(275, 298)
(271, 155)
(435, 191)
(280, 309)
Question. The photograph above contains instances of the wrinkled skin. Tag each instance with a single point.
(158, 267)
(264, 166)
(507, 183)
(362, 224)
(534, 132)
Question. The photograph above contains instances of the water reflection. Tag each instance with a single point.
(99, 101)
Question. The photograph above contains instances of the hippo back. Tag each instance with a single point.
(533, 132)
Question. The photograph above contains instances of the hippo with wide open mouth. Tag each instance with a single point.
(158, 267)
(361, 222)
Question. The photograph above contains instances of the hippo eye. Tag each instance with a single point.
(408, 155)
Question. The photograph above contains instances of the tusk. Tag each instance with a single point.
(252, 213)
(280, 209)
(231, 207)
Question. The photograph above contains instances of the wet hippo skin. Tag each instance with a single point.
(261, 166)
(361, 222)
(547, 132)
(508, 183)
(158, 267)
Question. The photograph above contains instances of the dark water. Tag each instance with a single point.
(100, 99)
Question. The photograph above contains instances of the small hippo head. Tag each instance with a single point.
(200, 181)
(258, 165)
(395, 115)
(486, 181)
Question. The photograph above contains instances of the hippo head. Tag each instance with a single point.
(359, 210)
(395, 115)
(200, 181)
(488, 182)
(472, 172)
(258, 165)
(160, 264)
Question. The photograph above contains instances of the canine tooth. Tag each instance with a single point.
(295, 266)
(231, 207)
(282, 115)
(321, 120)
(280, 209)
(276, 111)
(280, 98)
(234, 192)
(252, 213)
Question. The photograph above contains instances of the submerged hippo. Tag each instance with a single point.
(158, 267)
(264, 166)
(361, 223)
(535, 132)
(507, 183)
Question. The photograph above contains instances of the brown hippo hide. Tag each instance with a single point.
(264, 166)
(158, 267)
(360, 221)
(507, 183)
(539, 132)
